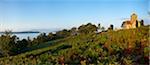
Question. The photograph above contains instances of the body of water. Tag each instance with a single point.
(26, 35)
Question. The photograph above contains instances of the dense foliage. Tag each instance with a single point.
(122, 47)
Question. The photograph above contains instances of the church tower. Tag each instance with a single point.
(133, 20)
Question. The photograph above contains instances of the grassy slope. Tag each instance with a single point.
(90, 45)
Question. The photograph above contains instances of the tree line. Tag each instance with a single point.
(12, 45)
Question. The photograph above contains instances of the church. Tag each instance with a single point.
(132, 23)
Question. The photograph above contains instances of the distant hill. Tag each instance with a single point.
(47, 30)
(36, 31)
(22, 32)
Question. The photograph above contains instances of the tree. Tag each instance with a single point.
(101, 28)
(62, 34)
(82, 29)
(51, 36)
(142, 22)
(111, 27)
(20, 46)
(40, 39)
(8, 33)
(29, 42)
(88, 28)
(7, 43)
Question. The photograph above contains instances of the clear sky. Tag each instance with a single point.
(19, 15)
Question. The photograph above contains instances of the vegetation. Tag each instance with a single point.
(79, 46)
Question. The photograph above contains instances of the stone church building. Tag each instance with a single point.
(132, 23)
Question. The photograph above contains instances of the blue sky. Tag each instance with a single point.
(19, 15)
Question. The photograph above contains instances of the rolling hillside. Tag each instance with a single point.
(122, 47)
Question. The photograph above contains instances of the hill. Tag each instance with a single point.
(122, 47)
